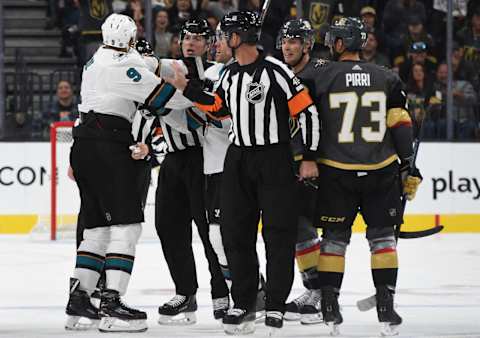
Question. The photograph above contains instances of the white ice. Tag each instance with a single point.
(438, 293)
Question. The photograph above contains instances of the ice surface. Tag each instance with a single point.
(438, 291)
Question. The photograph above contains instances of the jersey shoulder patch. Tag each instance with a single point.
(320, 63)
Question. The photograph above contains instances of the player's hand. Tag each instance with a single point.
(308, 169)
(411, 179)
(70, 173)
(139, 151)
(178, 79)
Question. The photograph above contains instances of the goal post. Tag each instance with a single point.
(60, 132)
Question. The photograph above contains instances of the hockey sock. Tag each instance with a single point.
(331, 264)
(216, 241)
(91, 258)
(121, 256)
(384, 261)
(306, 254)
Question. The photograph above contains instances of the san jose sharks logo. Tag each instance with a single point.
(255, 92)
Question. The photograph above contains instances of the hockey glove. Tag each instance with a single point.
(143, 47)
(411, 179)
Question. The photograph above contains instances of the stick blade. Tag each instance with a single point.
(422, 233)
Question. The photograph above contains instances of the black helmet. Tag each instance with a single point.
(298, 29)
(245, 23)
(196, 26)
(144, 47)
(351, 31)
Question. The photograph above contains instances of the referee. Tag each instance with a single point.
(262, 95)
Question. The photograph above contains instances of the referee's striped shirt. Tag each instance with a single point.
(261, 98)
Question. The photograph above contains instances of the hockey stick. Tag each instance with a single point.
(421, 233)
(370, 302)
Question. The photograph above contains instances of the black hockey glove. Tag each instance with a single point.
(144, 47)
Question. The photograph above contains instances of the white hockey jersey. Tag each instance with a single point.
(114, 82)
(215, 133)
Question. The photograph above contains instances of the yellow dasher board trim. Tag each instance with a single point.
(453, 223)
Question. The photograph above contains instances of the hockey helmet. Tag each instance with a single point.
(351, 30)
(245, 23)
(144, 47)
(298, 29)
(118, 31)
(197, 27)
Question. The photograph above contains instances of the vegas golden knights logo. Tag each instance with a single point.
(98, 9)
(318, 14)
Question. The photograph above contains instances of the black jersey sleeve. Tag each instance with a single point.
(213, 104)
(399, 121)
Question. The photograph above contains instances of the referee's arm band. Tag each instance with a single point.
(299, 102)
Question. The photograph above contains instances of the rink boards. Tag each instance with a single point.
(449, 194)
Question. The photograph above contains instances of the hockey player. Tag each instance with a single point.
(113, 81)
(260, 94)
(297, 39)
(180, 199)
(365, 155)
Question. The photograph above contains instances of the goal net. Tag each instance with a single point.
(60, 221)
(61, 218)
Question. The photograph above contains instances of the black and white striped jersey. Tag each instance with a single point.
(178, 138)
(261, 98)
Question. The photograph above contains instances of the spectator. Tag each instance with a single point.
(417, 54)
(162, 36)
(368, 15)
(218, 8)
(419, 91)
(175, 51)
(469, 38)
(64, 107)
(212, 21)
(395, 18)
(416, 33)
(464, 69)
(437, 22)
(92, 16)
(464, 100)
(69, 14)
(180, 12)
(371, 54)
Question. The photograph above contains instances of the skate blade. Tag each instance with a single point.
(334, 329)
(291, 316)
(272, 331)
(182, 319)
(112, 324)
(311, 318)
(388, 330)
(239, 330)
(78, 323)
(259, 317)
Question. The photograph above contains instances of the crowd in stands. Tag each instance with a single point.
(408, 36)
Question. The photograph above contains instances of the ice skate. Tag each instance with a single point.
(292, 310)
(118, 317)
(274, 322)
(239, 322)
(220, 307)
(387, 316)
(180, 310)
(331, 310)
(311, 312)
(81, 314)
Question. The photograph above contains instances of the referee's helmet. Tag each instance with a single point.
(351, 30)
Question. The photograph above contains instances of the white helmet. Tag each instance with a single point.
(118, 30)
